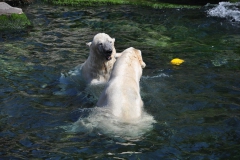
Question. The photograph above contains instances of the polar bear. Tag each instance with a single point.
(95, 71)
(122, 92)
(98, 66)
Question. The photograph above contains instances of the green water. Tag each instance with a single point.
(196, 105)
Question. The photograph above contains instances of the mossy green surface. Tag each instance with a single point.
(149, 3)
(233, 1)
(13, 21)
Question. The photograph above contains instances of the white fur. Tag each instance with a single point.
(122, 92)
(96, 69)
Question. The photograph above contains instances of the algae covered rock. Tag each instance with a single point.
(12, 17)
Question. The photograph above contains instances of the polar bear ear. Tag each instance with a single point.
(139, 55)
(113, 39)
(89, 44)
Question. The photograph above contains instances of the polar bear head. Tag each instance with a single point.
(102, 46)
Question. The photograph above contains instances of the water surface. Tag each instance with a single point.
(195, 105)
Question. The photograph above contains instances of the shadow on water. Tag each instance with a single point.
(196, 105)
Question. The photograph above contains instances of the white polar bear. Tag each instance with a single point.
(122, 92)
(97, 68)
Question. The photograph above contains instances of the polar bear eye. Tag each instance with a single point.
(100, 44)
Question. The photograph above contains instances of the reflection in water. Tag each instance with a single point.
(195, 105)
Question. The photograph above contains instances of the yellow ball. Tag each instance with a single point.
(177, 61)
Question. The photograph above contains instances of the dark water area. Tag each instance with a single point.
(196, 105)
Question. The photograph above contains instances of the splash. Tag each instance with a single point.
(227, 10)
(71, 83)
(101, 120)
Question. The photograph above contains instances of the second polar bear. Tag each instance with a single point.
(96, 69)
(98, 66)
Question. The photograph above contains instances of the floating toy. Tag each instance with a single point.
(177, 61)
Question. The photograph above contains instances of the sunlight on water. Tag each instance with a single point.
(226, 10)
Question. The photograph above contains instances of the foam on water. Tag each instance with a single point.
(71, 83)
(157, 76)
(101, 120)
(226, 10)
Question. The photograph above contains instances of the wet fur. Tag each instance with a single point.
(97, 69)
(122, 92)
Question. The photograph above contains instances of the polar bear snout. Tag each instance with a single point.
(107, 51)
(107, 48)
